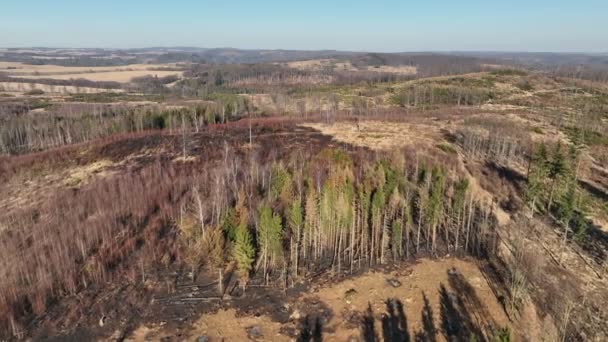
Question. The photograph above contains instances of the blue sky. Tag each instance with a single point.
(381, 25)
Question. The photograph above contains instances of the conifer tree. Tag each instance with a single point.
(378, 200)
(567, 207)
(435, 204)
(327, 217)
(397, 239)
(421, 203)
(567, 203)
(407, 224)
(213, 247)
(243, 252)
(538, 170)
(460, 191)
(345, 216)
(295, 221)
(364, 195)
(241, 210)
(558, 170)
(280, 183)
(269, 238)
(310, 221)
(395, 207)
(230, 224)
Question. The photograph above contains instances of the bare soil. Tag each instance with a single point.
(431, 297)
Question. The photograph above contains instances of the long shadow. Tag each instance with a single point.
(594, 190)
(467, 293)
(429, 331)
(394, 322)
(463, 314)
(368, 330)
(451, 320)
(311, 330)
(508, 174)
(594, 241)
(495, 273)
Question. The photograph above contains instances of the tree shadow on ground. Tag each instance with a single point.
(463, 315)
(368, 329)
(594, 189)
(594, 241)
(394, 322)
(495, 272)
(506, 173)
(311, 330)
(451, 319)
(429, 331)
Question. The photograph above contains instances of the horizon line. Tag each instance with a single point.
(305, 50)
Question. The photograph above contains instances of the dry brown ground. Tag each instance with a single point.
(400, 69)
(313, 64)
(380, 135)
(111, 73)
(21, 88)
(425, 279)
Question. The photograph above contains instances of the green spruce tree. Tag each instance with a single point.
(243, 252)
(269, 238)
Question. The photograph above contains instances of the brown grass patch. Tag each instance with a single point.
(113, 73)
(399, 69)
(380, 135)
(80, 175)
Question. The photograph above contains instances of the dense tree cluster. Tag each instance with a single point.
(494, 139)
(58, 84)
(23, 131)
(552, 187)
(335, 211)
(433, 94)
